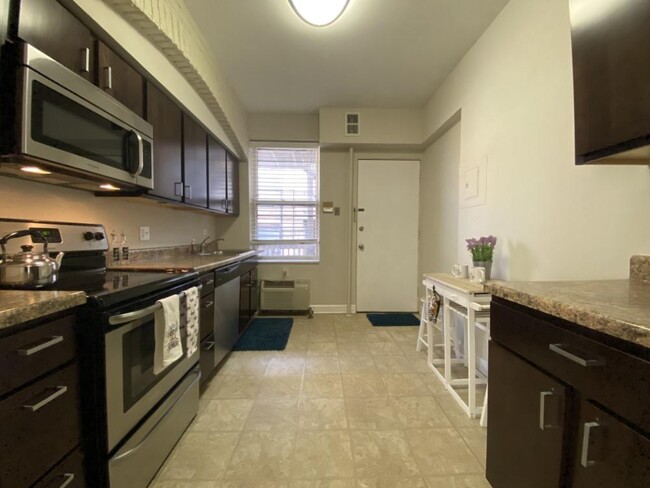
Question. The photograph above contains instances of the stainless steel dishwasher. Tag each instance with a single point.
(226, 310)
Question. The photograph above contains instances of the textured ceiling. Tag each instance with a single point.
(380, 53)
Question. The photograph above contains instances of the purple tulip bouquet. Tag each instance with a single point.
(482, 250)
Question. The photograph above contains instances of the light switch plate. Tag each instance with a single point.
(144, 233)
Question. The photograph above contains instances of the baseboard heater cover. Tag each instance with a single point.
(286, 297)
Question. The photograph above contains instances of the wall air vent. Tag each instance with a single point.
(352, 123)
(286, 297)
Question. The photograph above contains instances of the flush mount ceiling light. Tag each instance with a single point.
(35, 170)
(319, 13)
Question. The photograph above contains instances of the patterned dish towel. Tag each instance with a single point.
(167, 321)
(192, 316)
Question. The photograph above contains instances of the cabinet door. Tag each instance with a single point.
(609, 453)
(50, 28)
(117, 78)
(526, 424)
(244, 301)
(232, 184)
(166, 119)
(217, 175)
(195, 163)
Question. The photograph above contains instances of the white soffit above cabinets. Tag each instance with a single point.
(379, 53)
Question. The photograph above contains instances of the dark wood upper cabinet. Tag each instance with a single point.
(195, 163)
(611, 78)
(232, 184)
(50, 28)
(117, 78)
(166, 119)
(217, 175)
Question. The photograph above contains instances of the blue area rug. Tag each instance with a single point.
(392, 319)
(268, 334)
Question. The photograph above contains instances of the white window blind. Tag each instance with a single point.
(284, 187)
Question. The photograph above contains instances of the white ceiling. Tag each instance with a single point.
(379, 53)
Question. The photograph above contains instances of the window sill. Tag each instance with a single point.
(292, 261)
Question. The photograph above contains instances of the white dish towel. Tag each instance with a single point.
(192, 316)
(167, 321)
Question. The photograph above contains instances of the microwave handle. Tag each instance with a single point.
(138, 138)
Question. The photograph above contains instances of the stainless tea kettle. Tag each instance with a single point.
(28, 269)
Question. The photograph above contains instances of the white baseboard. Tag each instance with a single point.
(332, 308)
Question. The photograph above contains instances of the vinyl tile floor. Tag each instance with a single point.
(345, 405)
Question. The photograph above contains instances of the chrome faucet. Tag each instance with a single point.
(205, 242)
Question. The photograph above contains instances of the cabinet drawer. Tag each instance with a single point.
(69, 473)
(614, 379)
(38, 426)
(207, 280)
(452, 295)
(31, 353)
(207, 316)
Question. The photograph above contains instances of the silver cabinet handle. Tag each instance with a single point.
(178, 189)
(586, 433)
(209, 346)
(69, 478)
(108, 77)
(85, 60)
(207, 304)
(60, 390)
(131, 316)
(209, 282)
(189, 191)
(52, 341)
(560, 349)
(542, 409)
(138, 138)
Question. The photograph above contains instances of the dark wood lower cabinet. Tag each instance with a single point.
(69, 473)
(525, 437)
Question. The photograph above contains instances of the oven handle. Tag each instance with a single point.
(124, 318)
(126, 454)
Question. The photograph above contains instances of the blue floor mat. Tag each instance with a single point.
(266, 334)
(392, 319)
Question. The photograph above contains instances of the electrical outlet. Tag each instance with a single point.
(144, 233)
(285, 273)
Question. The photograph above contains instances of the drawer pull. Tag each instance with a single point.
(586, 433)
(209, 346)
(51, 341)
(60, 390)
(108, 78)
(69, 478)
(209, 282)
(85, 60)
(207, 304)
(542, 409)
(560, 349)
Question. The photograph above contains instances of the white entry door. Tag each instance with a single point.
(387, 236)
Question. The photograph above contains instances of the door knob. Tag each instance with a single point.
(361, 228)
(362, 247)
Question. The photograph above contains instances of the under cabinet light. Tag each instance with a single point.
(35, 170)
(108, 186)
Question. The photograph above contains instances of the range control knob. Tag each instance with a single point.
(89, 236)
(99, 236)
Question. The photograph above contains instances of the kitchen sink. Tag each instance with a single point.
(225, 252)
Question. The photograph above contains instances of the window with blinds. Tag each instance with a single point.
(284, 194)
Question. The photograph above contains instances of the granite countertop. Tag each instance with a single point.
(18, 306)
(187, 262)
(463, 285)
(619, 308)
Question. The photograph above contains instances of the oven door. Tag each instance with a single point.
(68, 121)
(132, 389)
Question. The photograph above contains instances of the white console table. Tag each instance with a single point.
(471, 303)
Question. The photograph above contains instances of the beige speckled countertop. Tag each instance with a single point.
(18, 306)
(187, 262)
(619, 308)
(461, 284)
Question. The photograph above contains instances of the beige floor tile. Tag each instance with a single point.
(354, 349)
(221, 484)
(223, 415)
(442, 452)
(454, 413)
(419, 363)
(322, 386)
(405, 384)
(328, 335)
(185, 484)
(417, 412)
(347, 483)
(322, 365)
(273, 414)
(382, 454)
(408, 349)
(394, 364)
(476, 439)
(350, 336)
(211, 387)
(322, 454)
(405, 334)
(381, 349)
(392, 483)
(246, 365)
(357, 364)
(363, 385)
(461, 481)
(200, 456)
(377, 334)
(280, 387)
(282, 366)
(322, 414)
(322, 349)
(237, 387)
(370, 414)
(433, 384)
(296, 347)
(262, 456)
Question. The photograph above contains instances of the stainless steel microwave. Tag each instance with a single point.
(72, 128)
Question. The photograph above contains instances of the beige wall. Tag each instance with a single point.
(283, 127)
(553, 220)
(20, 199)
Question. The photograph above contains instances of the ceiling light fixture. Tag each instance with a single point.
(35, 170)
(319, 13)
(108, 186)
